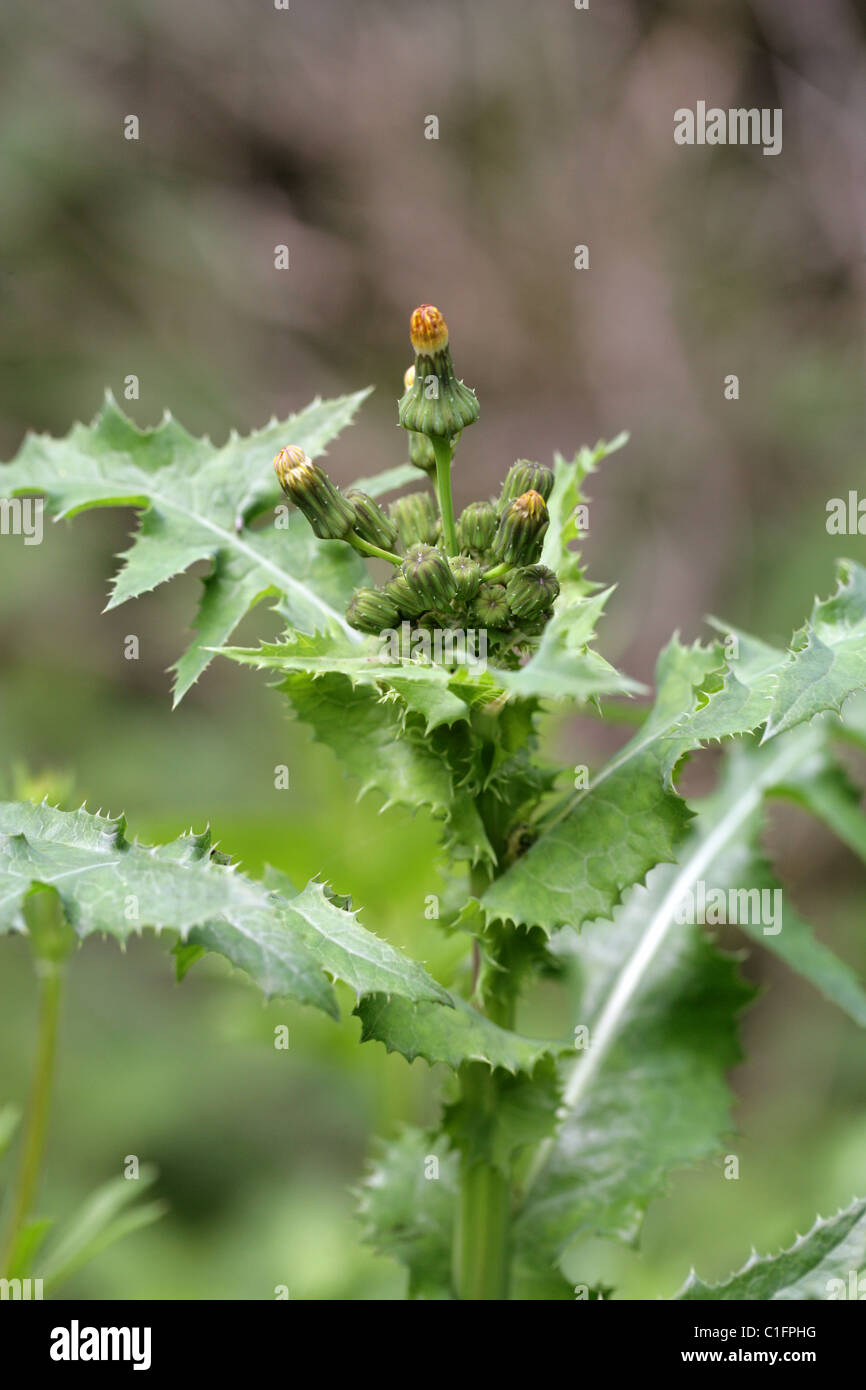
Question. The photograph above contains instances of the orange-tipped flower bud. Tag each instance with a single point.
(521, 530)
(436, 404)
(428, 330)
(313, 493)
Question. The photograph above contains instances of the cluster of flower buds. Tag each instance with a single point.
(489, 576)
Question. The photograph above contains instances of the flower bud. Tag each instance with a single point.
(416, 519)
(436, 403)
(427, 572)
(371, 523)
(476, 527)
(531, 591)
(521, 530)
(468, 576)
(313, 493)
(404, 596)
(526, 476)
(421, 453)
(491, 606)
(371, 610)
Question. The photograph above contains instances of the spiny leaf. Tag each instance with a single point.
(424, 687)
(407, 1205)
(107, 883)
(817, 1266)
(829, 655)
(763, 686)
(452, 1036)
(520, 1112)
(384, 746)
(563, 666)
(655, 1098)
(196, 502)
(743, 871)
(609, 835)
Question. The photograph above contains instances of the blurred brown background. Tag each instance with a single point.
(156, 257)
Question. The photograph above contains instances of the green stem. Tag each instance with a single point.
(442, 454)
(365, 548)
(482, 1233)
(497, 571)
(33, 1140)
(481, 1254)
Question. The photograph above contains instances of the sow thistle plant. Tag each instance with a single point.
(543, 1142)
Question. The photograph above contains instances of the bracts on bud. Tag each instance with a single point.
(491, 606)
(521, 530)
(415, 518)
(526, 476)
(476, 527)
(371, 522)
(436, 403)
(428, 573)
(467, 575)
(313, 493)
(372, 610)
(531, 591)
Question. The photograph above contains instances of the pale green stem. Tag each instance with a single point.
(36, 1122)
(442, 454)
(366, 548)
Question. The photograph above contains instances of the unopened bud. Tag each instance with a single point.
(531, 591)
(476, 527)
(371, 523)
(313, 493)
(435, 403)
(526, 476)
(491, 606)
(521, 530)
(372, 610)
(467, 575)
(404, 596)
(416, 519)
(426, 570)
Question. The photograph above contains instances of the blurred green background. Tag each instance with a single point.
(156, 257)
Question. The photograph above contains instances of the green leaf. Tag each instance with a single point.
(390, 480)
(609, 835)
(829, 655)
(648, 1094)
(452, 1036)
(425, 688)
(110, 1213)
(743, 868)
(407, 1205)
(764, 686)
(818, 1265)
(197, 501)
(384, 745)
(563, 666)
(107, 883)
(522, 1112)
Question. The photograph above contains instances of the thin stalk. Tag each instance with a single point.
(442, 454)
(366, 548)
(497, 571)
(36, 1122)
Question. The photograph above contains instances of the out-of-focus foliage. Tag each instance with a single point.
(156, 258)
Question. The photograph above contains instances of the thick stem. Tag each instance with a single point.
(482, 1232)
(442, 454)
(35, 1125)
(481, 1255)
